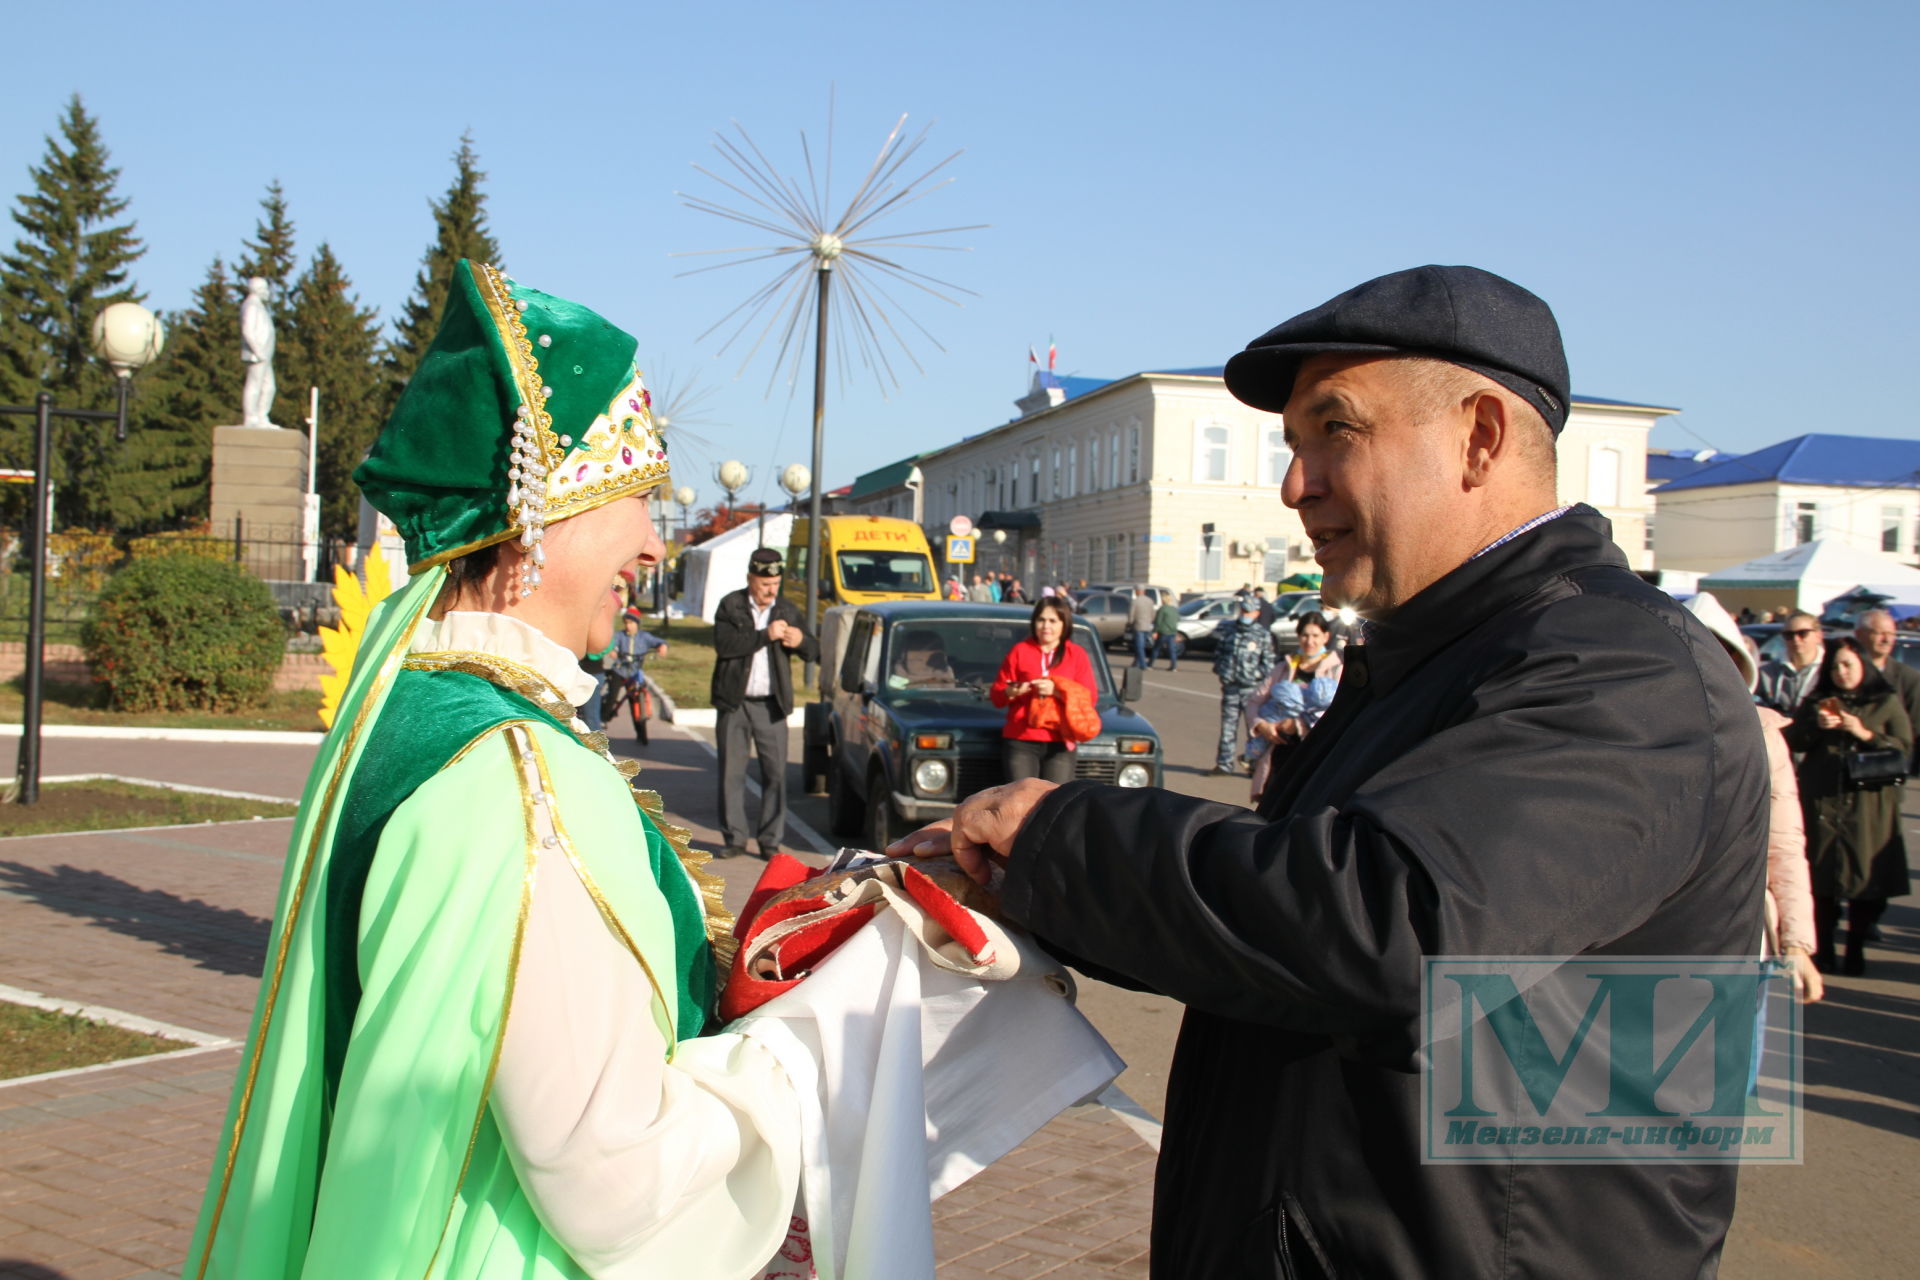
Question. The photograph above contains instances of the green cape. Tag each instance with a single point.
(358, 1142)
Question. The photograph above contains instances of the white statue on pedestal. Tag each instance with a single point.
(256, 352)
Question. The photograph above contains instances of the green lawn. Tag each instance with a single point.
(103, 805)
(85, 704)
(686, 671)
(37, 1040)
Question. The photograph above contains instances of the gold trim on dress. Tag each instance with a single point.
(515, 677)
(518, 678)
(322, 827)
(607, 913)
(527, 876)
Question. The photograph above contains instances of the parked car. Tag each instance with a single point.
(1201, 614)
(1105, 611)
(896, 751)
(1155, 594)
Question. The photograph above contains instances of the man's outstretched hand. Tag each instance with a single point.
(981, 830)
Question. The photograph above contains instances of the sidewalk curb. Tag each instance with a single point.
(262, 737)
(114, 1018)
(693, 717)
(708, 718)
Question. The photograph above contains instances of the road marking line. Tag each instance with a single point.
(1174, 688)
(820, 843)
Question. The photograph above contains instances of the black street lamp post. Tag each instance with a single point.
(125, 335)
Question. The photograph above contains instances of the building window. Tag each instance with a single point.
(1033, 482)
(1276, 457)
(1890, 522)
(1055, 485)
(1133, 454)
(1073, 468)
(1648, 544)
(1093, 465)
(1805, 519)
(1603, 476)
(1211, 442)
(1113, 459)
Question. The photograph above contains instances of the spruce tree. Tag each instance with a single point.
(270, 253)
(72, 259)
(178, 400)
(460, 231)
(331, 342)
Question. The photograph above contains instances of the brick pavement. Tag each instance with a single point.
(104, 1169)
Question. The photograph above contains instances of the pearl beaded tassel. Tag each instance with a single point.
(527, 495)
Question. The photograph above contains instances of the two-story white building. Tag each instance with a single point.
(1162, 476)
(1860, 491)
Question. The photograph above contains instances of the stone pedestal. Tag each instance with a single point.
(260, 479)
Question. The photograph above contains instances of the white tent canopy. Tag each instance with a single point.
(1813, 573)
(719, 564)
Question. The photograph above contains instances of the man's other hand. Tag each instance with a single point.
(982, 829)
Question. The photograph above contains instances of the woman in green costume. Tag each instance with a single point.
(479, 1048)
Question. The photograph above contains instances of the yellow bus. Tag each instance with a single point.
(864, 559)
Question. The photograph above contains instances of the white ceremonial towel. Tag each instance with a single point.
(912, 1078)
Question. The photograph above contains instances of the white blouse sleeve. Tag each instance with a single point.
(635, 1164)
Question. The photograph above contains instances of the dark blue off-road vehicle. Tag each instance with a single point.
(905, 728)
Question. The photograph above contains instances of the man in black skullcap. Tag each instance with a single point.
(1532, 752)
(756, 634)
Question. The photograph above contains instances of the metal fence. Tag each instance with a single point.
(79, 565)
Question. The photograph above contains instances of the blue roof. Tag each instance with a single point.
(1076, 387)
(1204, 371)
(1865, 462)
(1672, 464)
(1604, 403)
(1073, 386)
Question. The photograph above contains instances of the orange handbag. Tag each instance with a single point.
(1069, 712)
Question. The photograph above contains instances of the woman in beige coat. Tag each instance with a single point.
(1789, 924)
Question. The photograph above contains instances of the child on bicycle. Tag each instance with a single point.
(626, 676)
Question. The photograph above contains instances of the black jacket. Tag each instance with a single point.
(734, 642)
(1539, 754)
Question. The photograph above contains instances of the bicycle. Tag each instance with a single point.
(635, 694)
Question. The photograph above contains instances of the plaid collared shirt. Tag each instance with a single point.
(1528, 527)
(1500, 541)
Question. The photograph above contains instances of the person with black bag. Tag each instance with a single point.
(1853, 737)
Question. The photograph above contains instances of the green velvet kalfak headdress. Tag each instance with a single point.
(526, 409)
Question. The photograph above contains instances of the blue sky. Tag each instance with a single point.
(1719, 200)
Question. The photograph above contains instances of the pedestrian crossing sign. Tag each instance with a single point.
(960, 550)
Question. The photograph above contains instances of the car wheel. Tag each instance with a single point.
(881, 827)
(843, 808)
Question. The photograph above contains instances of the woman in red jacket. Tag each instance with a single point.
(1032, 671)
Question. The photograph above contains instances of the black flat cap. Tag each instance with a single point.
(1462, 315)
(765, 562)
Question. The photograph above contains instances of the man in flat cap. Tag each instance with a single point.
(755, 635)
(1532, 753)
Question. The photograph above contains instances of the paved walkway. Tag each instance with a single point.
(104, 1169)
(100, 1173)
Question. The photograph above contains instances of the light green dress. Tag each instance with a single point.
(361, 1140)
